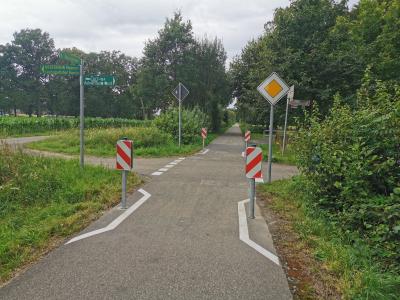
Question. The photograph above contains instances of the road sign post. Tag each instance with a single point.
(180, 92)
(82, 118)
(290, 96)
(124, 163)
(253, 171)
(272, 89)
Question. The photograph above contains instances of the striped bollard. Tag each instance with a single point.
(253, 171)
(124, 163)
(247, 137)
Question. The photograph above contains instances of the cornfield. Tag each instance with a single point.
(23, 125)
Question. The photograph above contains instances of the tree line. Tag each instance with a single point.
(143, 85)
(324, 49)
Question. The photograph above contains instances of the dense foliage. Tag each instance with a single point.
(143, 87)
(351, 162)
(322, 48)
(192, 122)
(23, 125)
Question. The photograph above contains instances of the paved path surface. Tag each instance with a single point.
(178, 240)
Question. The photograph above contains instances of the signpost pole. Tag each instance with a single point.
(271, 126)
(284, 129)
(123, 198)
(180, 120)
(82, 119)
(252, 197)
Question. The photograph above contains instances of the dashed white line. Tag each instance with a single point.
(244, 234)
(163, 170)
(117, 221)
(156, 173)
(169, 166)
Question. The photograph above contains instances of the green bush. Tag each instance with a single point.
(192, 122)
(351, 161)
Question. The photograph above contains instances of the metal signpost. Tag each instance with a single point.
(290, 96)
(82, 117)
(253, 171)
(272, 89)
(124, 163)
(180, 93)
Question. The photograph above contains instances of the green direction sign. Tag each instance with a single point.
(70, 58)
(60, 69)
(105, 80)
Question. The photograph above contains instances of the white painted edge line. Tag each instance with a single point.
(169, 166)
(163, 170)
(244, 234)
(156, 173)
(173, 163)
(181, 158)
(117, 221)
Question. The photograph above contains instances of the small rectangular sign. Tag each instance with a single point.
(103, 80)
(60, 69)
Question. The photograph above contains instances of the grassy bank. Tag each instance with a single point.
(148, 142)
(350, 264)
(42, 201)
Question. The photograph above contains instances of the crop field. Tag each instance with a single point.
(17, 126)
(43, 201)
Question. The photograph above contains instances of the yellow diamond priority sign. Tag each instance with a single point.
(273, 88)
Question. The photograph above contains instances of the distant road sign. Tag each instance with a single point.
(247, 136)
(183, 92)
(253, 162)
(204, 133)
(60, 69)
(106, 80)
(70, 58)
(273, 88)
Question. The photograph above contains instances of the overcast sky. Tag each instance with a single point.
(125, 25)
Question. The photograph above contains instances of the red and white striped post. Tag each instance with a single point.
(247, 137)
(124, 163)
(253, 171)
(204, 134)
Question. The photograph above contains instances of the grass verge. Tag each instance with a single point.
(148, 142)
(44, 200)
(328, 262)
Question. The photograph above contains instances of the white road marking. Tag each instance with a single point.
(181, 158)
(163, 170)
(243, 154)
(169, 166)
(244, 234)
(117, 221)
(204, 151)
(156, 173)
(173, 163)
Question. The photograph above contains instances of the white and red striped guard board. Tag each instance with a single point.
(247, 136)
(253, 162)
(204, 133)
(124, 155)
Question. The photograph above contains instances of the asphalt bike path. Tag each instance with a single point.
(185, 235)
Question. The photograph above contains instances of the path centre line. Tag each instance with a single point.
(156, 173)
(117, 221)
(244, 234)
(163, 170)
(169, 166)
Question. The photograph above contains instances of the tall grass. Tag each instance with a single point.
(44, 200)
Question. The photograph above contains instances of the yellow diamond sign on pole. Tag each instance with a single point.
(273, 88)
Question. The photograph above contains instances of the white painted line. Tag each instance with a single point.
(181, 158)
(204, 151)
(243, 154)
(177, 161)
(173, 163)
(163, 170)
(156, 173)
(244, 234)
(259, 180)
(117, 221)
(169, 166)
